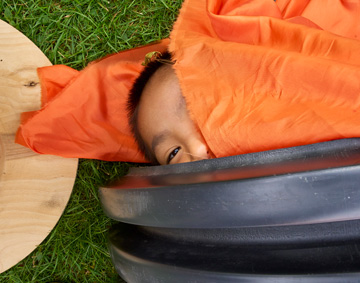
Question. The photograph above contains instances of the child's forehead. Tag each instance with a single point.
(162, 96)
(162, 74)
(163, 84)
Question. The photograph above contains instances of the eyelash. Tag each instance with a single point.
(173, 154)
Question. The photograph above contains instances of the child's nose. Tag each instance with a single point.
(198, 151)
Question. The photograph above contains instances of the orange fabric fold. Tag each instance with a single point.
(339, 17)
(53, 80)
(258, 77)
(84, 113)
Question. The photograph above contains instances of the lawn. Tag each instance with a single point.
(75, 33)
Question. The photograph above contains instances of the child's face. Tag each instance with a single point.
(164, 123)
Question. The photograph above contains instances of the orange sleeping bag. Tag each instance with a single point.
(256, 75)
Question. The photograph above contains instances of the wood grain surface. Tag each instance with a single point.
(34, 189)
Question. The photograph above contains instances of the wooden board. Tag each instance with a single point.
(34, 189)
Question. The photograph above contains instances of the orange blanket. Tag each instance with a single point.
(256, 75)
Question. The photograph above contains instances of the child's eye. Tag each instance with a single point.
(173, 154)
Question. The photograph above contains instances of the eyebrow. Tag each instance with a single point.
(158, 139)
(181, 104)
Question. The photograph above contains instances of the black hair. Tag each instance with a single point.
(134, 100)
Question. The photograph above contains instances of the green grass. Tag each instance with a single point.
(74, 33)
